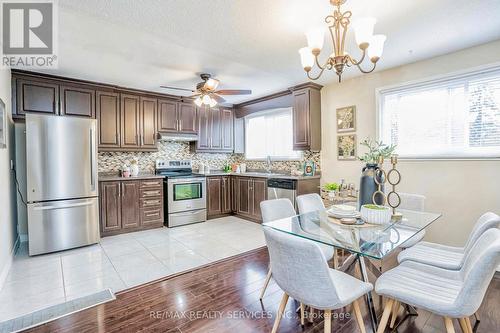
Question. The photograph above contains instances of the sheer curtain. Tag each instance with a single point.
(270, 133)
(458, 117)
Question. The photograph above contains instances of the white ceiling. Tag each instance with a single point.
(249, 44)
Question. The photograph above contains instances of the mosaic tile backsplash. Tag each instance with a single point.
(169, 150)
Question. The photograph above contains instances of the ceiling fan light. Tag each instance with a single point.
(376, 47)
(206, 99)
(307, 58)
(211, 84)
(198, 101)
(363, 31)
(315, 38)
(212, 103)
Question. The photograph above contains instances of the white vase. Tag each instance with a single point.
(134, 170)
(382, 215)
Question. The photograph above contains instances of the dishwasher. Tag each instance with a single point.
(278, 188)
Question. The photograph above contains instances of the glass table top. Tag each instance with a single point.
(375, 241)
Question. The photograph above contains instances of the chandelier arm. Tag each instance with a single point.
(358, 62)
(366, 72)
(316, 77)
(319, 65)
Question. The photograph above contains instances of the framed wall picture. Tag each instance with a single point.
(346, 119)
(3, 125)
(346, 147)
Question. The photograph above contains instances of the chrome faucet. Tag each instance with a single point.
(268, 164)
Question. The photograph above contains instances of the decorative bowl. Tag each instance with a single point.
(376, 214)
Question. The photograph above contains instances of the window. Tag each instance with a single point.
(270, 133)
(456, 117)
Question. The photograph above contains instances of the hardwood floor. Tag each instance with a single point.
(224, 297)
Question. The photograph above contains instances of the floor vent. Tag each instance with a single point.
(55, 311)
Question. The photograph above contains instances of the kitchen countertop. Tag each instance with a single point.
(259, 174)
(114, 177)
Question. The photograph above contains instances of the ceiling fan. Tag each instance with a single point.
(206, 93)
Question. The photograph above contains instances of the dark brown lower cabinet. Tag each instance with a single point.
(130, 205)
(110, 202)
(219, 196)
(250, 192)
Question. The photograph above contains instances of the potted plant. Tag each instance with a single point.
(330, 188)
(376, 150)
(375, 214)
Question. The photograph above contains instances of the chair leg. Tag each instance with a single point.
(279, 314)
(463, 325)
(448, 323)
(395, 310)
(302, 319)
(359, 316)
(385, 316)
(335, 259)
(311, 314)
(328, 321)
(467, 320)
(268, 278)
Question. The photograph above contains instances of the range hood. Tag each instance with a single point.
(177, 137)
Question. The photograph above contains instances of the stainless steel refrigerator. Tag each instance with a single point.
(61, 167)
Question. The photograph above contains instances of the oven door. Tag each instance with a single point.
(186, 194)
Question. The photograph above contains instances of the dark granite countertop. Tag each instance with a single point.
(260, 175)
(114, 177)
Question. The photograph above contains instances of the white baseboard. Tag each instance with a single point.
(8, 264)
(23, 238)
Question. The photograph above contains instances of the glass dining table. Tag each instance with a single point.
(360, 240)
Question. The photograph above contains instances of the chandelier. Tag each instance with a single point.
(338, 24)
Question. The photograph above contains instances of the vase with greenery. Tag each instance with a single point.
(331, 188)
(367, 186)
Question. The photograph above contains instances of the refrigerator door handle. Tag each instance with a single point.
(86, 203)
(92, 159)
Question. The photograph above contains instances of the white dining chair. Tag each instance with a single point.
(312, 202)
(273, 210)
(300, 269)
(415, 202)
(449, 257)
(447, 293)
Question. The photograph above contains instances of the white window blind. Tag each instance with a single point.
(456, 117)
(270, 133)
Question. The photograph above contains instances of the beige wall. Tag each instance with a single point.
(460, 190)
(8, 233)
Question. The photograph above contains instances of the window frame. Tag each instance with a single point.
(277, 158)
(426, 83)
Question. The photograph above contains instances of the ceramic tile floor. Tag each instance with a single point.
(120, 262)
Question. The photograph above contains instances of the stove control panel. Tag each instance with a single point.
(173, 164)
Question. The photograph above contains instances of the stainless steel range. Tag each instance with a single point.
(184, 192)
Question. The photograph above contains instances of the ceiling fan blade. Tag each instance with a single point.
(218, 98)
(195, 95)
(233, 92)
(175, 88)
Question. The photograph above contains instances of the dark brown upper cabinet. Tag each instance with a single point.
(187, 118)
(215, 130)
(77, 101)
(148, 122)
(227, 127)
(167, 116)
(130, 128)
(307, 117)
(36, 96)
(108, 116)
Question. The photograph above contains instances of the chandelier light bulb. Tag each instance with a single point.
(376, 47)
(315, 38)
(211, 84)
(307, 58)
(363, 31)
